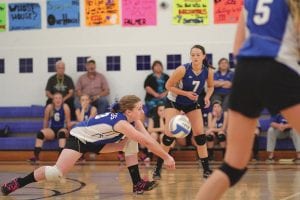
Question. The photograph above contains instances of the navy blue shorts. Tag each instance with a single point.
(184, 108)
(263, 83)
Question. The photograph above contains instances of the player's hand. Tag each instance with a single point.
(169, 162)
(192, 96)
(206, 102)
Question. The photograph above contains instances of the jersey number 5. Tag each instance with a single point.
(262, 12)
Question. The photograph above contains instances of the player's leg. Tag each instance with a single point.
(62, 135)
(239, 144)
(195, 117)
(167, 141)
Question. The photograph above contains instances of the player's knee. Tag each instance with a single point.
(61, 135)
(40, 135)
(222, 137)
(233, 174)
(131, 148)
(52, 173)
(200, 139)
(209, 138)
(167, 141)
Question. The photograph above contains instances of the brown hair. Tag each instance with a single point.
(156, 62)
(127, 102)
(294, 6)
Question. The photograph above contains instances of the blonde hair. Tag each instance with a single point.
(128, 102)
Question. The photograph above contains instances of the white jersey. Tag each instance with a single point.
(99, 129)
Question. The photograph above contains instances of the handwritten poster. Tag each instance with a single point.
(2, 17)
(101, 12)
(63, 13)
(190, 12)
(23, 16)
(227, 11)
(138, 12)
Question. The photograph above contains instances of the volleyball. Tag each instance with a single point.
(180, 126)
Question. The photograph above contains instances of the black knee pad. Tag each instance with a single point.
(233, 174)
(200, 139)
(221, 137)
(61, 135)
(40, 135)
(209, 138)
(166, 140)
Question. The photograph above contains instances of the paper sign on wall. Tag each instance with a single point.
(2, 17)
(23, 16)
(63, 13)
(138, 12)
(190, 12)
(227, 11)
(101, 12)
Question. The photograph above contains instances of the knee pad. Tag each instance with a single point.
(200, 139)
(209, 138)
(40, 135)
(233, 174)
(52, 173)
(131, 147)
(221, 137)
(167, 141)
(61, 135)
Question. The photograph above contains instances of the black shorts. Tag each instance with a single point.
(184, 108)
(75, 144)
(55, 130)
(263, 83)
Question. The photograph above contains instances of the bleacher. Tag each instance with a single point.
(25, 122)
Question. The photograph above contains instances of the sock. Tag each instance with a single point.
(150, 155)
(37, 151)
(210, 152)
(255, 146)
(60, 150)
(26, 180)
(204, 162)
(159, 163)
(134, 174)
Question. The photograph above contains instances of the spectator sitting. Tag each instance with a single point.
(86, 110)
(95, 85)
(55, 125)
(281, 129)
(60, 82)
(217, 125)
(155, 87)
(222, 83)
(156, 126)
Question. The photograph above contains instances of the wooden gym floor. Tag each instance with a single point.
(109, 180)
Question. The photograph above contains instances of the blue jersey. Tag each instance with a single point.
(220, 121)
(279, 119)
(218, 76)
(99, 129)
(86, 113)
(270, 32)
(57, 120)
(190, 82)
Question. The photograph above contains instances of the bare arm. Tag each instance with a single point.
(151, 91)
(67, 116)
(49, 95)
(174, 79)
(69, 95)
(140, 135)
(240, 34)
(210, 87)
(47, 116)
(151, 128)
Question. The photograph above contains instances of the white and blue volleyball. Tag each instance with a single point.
(180, 126)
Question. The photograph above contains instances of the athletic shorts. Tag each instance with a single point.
(75, 144)
(184, 108)
(55, 130)
(263, 83)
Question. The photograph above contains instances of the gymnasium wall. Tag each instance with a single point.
(24, 89)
